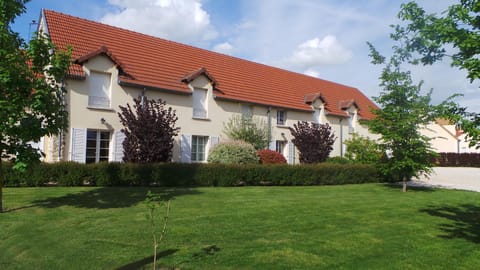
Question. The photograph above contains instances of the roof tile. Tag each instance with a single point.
(162, 64)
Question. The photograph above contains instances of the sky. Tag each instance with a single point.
(322, 38)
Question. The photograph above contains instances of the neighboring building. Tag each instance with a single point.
(447, 137)
(112, 66)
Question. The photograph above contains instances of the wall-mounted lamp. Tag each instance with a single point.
(102, 120)
(283, 134)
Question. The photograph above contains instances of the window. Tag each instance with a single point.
(280, 146)
(351, 122)
(97, 146)
(316, 116)
(281, 118)
(99, 89)
(247, 111)
(199, 103)
(199, 144)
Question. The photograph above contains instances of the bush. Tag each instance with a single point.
(338, 160)
(362, 150)
(313, 141)
(457, 160)
(189, 175)
(233, 152)
(268, 156)
(249, 129)
(149, 130)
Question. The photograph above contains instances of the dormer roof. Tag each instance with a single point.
(199, 72)
(310, 98)
(347, 104)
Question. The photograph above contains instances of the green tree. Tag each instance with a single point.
(403, 110)
(362, 150)
(31, 92)
(248, 129)
(453, 34)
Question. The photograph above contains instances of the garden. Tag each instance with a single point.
(367, 226)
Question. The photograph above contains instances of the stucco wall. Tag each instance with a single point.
(218, 112)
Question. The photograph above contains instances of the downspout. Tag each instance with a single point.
(60, 135)
(142, 102)
(60, 146)
(341, 137)
(269, 123)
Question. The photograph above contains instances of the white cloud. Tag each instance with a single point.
(318, 51)
(225, 48)
(179, 20)
(312, 72)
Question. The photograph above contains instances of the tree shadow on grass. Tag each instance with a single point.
(111, 197)
(398, 186)
(463, 221)
(140, 264)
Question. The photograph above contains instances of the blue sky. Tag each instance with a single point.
(322, 38)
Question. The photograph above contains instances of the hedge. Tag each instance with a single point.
(457, 160)
(187, 175)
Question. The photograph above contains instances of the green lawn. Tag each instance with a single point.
(368, 226)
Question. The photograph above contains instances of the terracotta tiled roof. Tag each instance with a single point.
(162, 64)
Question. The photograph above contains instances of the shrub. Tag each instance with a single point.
(338, 160)
(189, 175)
(457, 160)
(313, 141)
(233, 152)
(362, 150)
(249, 129)
(149, 131)
(268, 156)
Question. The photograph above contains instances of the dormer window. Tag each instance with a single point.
(99, 89)
(351, 109)
(319, 115)
(281, 117)
(352, 120)
(317, 103)
(199, 103)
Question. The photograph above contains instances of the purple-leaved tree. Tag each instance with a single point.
(313, 141)
(149, 130)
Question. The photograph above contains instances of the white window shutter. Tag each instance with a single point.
(199, 103)
(118, 148)
(79, 145)
(186, 148)
(213, 141)
(316, 116)
(272, 145)
(99, 89)
(291, 153)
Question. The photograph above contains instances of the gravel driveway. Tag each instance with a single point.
(453, 178)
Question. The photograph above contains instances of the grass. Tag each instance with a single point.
(368, 226)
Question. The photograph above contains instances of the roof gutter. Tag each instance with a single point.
(261, 104)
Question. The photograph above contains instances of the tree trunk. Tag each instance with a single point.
(404, 189)
(1, 186)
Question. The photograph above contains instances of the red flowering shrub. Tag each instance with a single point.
(268, 156)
